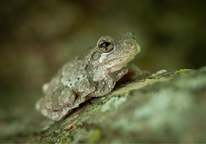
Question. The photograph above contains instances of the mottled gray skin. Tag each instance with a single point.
(91, 74)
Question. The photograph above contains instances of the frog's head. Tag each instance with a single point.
(115, 54)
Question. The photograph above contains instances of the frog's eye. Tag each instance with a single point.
(105, 45)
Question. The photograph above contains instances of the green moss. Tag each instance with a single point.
(96, 136)
(49, 139)
(113, 103)
(182, 70)
(68, 140)
(63, 138)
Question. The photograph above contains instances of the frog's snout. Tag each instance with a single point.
(138, 48)
(135, 46)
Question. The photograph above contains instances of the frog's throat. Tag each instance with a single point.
(116, 63)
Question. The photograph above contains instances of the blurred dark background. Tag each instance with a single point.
(37, 38)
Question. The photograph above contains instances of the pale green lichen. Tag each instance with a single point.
(164, 108)
(159, 110)
(125, 125)
(113, 103)
(47, 125)
(193, 83)
(96, 136)
(76, 116)
(67, 134)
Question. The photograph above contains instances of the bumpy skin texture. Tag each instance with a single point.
(91, 74)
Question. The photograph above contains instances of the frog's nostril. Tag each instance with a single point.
(133, 36)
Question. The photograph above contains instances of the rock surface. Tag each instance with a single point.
(165, 107)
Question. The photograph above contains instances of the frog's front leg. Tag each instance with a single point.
(57, 104)
(106, 86)
(119, 74)
(83, 89)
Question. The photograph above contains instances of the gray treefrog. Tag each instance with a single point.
(94, 73)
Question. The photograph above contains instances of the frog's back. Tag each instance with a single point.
(71, 73)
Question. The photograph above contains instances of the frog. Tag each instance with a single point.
(93, 73)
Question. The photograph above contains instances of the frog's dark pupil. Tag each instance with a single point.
(105, 44)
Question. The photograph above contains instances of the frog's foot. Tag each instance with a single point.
(84, 96)
(83, 90)
(55, 115)
(57, 104)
